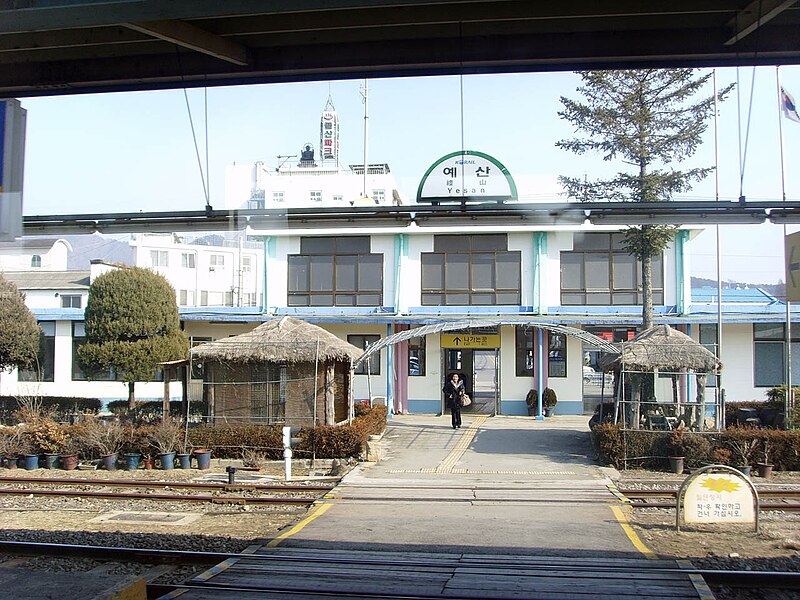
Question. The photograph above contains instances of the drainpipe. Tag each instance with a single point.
(540, 370)
(389, 374)
(539, 251)
(683, 303)
(264, 282)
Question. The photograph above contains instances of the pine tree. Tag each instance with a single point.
(132, 325)
(647, 119)
(20, 334)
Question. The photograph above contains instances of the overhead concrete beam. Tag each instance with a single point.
(753, 16)
(194, 38)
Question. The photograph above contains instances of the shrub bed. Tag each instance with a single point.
(60, 407)
(736, 446)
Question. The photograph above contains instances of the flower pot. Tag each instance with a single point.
(203, 459)
(764, 470)
(132, 461)
(149, 463)
(676, 464)
(167, 460)
(184, 461)
(69, 462)
(109, 462)
(51, 460)
(11, 462)
(549, 411)
(743, 469)
(30, 462)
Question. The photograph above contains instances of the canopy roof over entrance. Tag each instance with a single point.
(584, 336)
(63, 46)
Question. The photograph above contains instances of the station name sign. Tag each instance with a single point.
(467, 175)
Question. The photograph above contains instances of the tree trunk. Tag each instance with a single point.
(167, 372)
(131, 396)
(647, 292)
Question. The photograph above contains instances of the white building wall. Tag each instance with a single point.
(18, 258)
(361, 385)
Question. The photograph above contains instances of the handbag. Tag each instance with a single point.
(465, 400)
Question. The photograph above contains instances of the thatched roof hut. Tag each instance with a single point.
(663, 348)
(283, 371)
(284, 340)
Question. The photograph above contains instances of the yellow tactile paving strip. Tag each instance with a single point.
(446, 466)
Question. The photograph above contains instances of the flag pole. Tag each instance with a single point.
(789, 399)
(720, 408)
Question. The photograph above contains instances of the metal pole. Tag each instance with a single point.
(719, 253)
(789, 399)
(540, 370)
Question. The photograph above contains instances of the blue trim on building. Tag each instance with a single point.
(569, 407)
(424, 407)
(513, 407)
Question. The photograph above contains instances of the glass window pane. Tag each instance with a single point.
(346, 273)
(432, 271)
(321, 273)
(508, 270)
(598, 298)
(658, 272)
(483, 271)
(573, 299)
(769, 331)
(345, 300)
(625, 298)
(457, 299)
(457, 271)
(432, 300)
(768, 364)
(370, 271)
(321, 300)
(483, 299)
(298, 273)
(317, 245)
(572, 271)
(353, 245)
(368, 300)
(298, 300)
(597, 271)
(497, 242)
(617, 241)
(625, 267)
(507, 298)
(591, 241)
(524, 351)
(451, 243)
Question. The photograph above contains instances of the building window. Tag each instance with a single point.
(277, 196)
(159, 258)
(416, 356)
(248, 299)
(769, 355)
(43, 368)
(335, 271)
(315, 195)
(247, 264)
(203, 298)
(599, 272)
(70, 301)
(216, 262)
(379, 196)
(188, 260)
(471, 270)
(710, 340)
(525, 350)
(186, 297)
(556, 354)
(374, 361)
(36, 261)
(229, 298)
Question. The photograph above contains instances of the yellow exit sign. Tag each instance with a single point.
(470, 341)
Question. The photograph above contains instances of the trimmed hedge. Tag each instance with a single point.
(651, 449)
(61, 407)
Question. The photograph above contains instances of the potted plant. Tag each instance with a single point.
(166, 437)
(106, 438)
(677, 451)
(11, 446)
(549, 401)
(765, 468)
(48, 438)
(742, 448)
(532, 400)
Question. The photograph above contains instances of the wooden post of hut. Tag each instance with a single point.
(166, 370)
(330, 380)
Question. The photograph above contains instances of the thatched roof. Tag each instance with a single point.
(664, 348)
(284, 340)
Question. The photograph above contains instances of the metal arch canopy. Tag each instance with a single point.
(584, 336)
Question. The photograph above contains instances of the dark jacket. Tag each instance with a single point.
(452, 393)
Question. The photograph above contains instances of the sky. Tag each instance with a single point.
(126, 152)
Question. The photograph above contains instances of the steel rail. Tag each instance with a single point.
(773, 579)
(169, 497)
(173, 484)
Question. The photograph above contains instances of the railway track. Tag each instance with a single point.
(248, 494)
(311, 563)
(644, 498)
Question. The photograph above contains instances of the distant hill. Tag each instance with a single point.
(775, 289)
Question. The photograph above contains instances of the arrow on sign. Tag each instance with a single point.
(456, 341)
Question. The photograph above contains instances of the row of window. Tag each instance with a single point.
(216, 262)
(211, 298)
(466, 270)
(769, 342)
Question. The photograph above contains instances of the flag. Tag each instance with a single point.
(789, 107)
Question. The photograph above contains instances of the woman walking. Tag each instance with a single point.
(453, 393)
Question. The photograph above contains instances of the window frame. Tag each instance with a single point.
(68, 300)
(159, 258)
(361, 340)
(762, 342)
(416, 350)
(188, 260)
(557, 363)
(524, 351)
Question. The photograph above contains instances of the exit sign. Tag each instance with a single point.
(470, 341)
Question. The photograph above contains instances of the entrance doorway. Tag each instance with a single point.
(479, 369)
